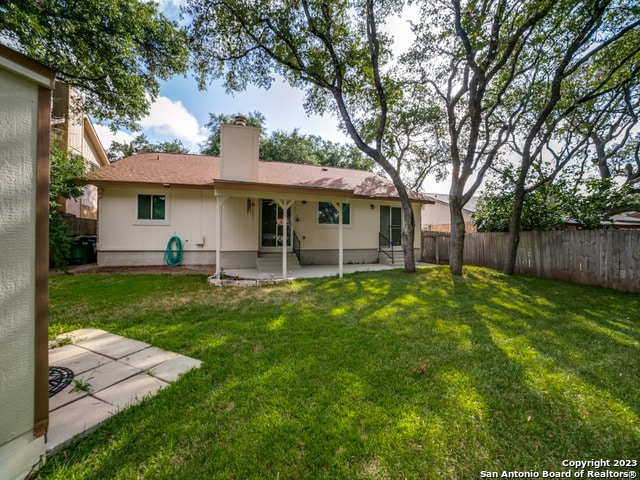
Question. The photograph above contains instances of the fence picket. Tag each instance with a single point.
(609, 258)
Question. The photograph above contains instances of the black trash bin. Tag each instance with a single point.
(83, 250)
(77, 253)
(92, 254)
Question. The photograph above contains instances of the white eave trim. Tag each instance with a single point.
(25, 72)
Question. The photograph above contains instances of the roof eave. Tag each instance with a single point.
(140, 184)
(280, 188)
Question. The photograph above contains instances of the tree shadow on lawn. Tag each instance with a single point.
(329, 384)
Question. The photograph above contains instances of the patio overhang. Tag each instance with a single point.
(284, 196)
(270, 190)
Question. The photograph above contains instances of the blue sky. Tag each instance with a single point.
(182, 110)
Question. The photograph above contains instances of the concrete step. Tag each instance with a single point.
(398, 257)
(273, 261)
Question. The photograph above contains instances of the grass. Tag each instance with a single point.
(375, 376)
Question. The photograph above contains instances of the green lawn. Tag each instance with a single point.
(377, 375)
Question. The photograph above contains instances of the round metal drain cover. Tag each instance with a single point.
(59, 378)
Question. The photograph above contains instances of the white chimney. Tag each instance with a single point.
(239, 149)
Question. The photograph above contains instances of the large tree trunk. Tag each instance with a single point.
(514, 230)
(407, 235)
(456, 240)
(408, 221)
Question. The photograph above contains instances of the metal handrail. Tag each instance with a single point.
(388, 243)
(297, 249)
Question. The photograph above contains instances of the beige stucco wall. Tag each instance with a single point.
(192, 215)
(18, 126)
(361, 234)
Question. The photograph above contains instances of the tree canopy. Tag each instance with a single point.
(590, 205)
(113, 51)
(292, 147)
(65, 167)
(212, 145)
(119, 150)
(337, 52)
(508, 77)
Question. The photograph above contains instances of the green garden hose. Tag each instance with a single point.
(173, 259)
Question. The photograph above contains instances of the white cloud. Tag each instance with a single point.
(167, 120)
(172, 120)
(106, 136)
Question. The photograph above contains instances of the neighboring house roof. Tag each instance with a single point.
(443, 199)
(619, 221)
(202, 171)
(95, 140)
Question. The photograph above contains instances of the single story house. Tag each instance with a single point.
(25, 126)
(235, 211)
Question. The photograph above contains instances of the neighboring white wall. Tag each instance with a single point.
(18, 126)
(439, 214)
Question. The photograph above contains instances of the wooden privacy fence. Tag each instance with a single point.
(609, 258)
(435, 247)
(81, 226)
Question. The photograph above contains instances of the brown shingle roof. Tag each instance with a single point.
(198, 171)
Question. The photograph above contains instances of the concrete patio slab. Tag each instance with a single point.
(82, 360)
(78, 418)
(311, 271)
(170, 370)
(131, 391)
(116, 370)
(82, 334)
(68, 395)
(58, 354)
(106, 375)
(148, 358)
(112, 346)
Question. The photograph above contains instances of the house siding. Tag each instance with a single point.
(123, 240)
(192, 215)
(24, 136)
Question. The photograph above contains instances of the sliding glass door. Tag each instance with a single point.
(272, 228)
(390, 226)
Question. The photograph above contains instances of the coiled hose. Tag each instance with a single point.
(173, 259)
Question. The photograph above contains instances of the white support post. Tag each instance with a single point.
(218, 233)
(338, 207)
(284, 204)
(284, 241)
(220, 201)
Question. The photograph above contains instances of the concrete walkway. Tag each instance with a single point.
(311, 271)
(116, 371)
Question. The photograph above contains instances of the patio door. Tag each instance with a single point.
(272, 228)
(390, 226)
